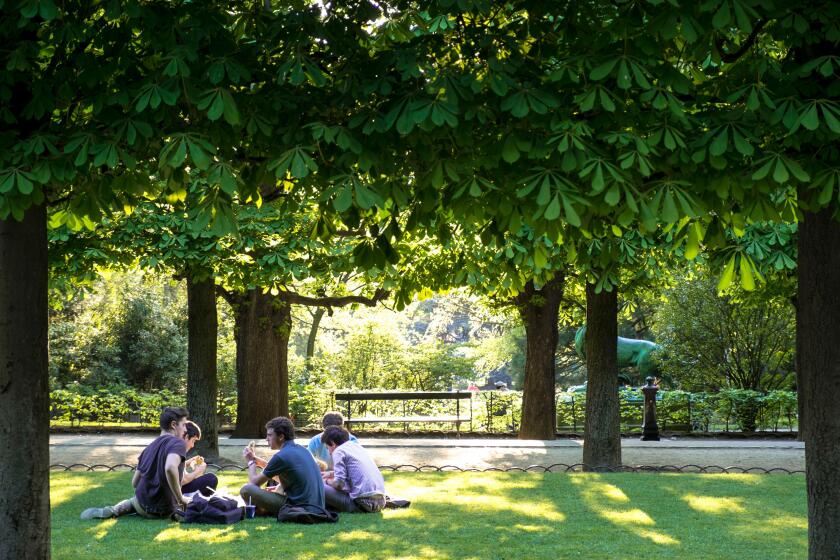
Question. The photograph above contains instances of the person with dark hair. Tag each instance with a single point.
(300, 478)
(157, 478)
(195, 478)
(316, 446)
(356, 485)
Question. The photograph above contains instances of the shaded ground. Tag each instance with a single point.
(475, 453)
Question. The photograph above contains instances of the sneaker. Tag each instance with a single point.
(99, 513)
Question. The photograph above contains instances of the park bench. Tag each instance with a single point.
(406, 396)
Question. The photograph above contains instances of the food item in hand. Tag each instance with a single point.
(321, 465)
(198, 460)
(252, 445)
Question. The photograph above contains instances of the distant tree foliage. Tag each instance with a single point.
(720, 342)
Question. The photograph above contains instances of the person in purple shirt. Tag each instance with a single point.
(356, 484)
(157, 478)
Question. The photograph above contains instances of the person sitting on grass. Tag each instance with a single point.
(157, 478)
(295, 468)
(356, 484)
(316, 446)
(195, 478)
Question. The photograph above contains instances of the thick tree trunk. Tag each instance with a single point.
(202, 378)
(602, 433)
(539, 310)
(24, 388)
(818, 351)
(263, 326)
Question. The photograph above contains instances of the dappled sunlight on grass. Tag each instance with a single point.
(658, 538)
(64, 489)
(533, 528)
(102, 529)
(788, 521)
(532, 508)
(201, 535)
(358, 535)
(473, 516)
(628, 517)
(714, 504)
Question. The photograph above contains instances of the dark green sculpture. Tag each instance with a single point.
(631, 353)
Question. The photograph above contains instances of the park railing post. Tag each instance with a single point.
(650, 429)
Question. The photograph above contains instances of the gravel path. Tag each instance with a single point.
(475, 453)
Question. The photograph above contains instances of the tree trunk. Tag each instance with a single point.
(313, 334)
(539, 310)
(24, 388)
(202, 378)
(818, 351)
(602, 433)
(263, 325)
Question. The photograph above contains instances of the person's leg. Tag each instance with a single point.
(370, 504)
(270, 502)
(124, 507)
(338, 500)
(201, 484)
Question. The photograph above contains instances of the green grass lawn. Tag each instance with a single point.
(473, 515)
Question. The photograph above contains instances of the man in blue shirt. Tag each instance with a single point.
(300, 478)
(317, 447)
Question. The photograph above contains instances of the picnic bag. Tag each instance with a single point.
(216, 510)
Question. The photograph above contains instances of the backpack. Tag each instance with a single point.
(216, 510)
(307, 514)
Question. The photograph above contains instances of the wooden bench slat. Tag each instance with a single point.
(404, 396)
(400, 419)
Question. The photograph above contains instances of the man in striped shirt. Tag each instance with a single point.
(355, 485)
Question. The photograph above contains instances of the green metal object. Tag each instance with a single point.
(631, 353)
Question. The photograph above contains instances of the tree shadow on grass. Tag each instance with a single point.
(453, 515)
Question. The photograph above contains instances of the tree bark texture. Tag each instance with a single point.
(539, 310)
(818, 352)
(602, 432)
(263, 326)
(202, 378)
(24, 388)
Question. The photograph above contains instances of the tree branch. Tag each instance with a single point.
(745, 46)
(334, 301)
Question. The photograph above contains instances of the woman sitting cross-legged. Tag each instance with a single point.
(355, 485)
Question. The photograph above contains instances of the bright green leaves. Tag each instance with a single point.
(781, 168)
(553, 191)
(295, 161)
(747, 271)
(218, 102)
(152, 95)
(174, 152)
(522, 102)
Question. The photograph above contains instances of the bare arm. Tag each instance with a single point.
(173, 477)
(254, 477)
